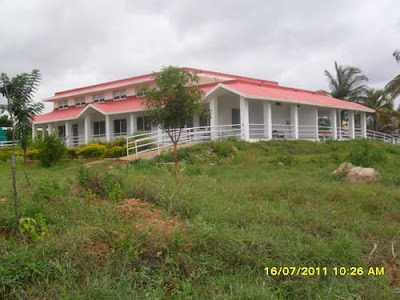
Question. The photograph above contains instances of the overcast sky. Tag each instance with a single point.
(80, 42)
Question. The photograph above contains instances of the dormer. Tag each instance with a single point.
(119, 95)
(62, 104)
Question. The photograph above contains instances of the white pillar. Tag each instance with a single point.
(196, 120)
(68, 133)
(87, 129)
(50, 129)
(267, 120)
(108, 129)
(132, 121)
(352, 125)
(339, 115)
(363, 124)
(294, 120)
(244, 118)
(214, 118)
(44, 131)
(334, 124)
(34, 131)
(316, 124)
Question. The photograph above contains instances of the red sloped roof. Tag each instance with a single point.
(130, 104)
(64, 114)
(274, 92)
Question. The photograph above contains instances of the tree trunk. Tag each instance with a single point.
(14, 177)
(176, 159)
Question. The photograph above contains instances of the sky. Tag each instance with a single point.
(80, 42)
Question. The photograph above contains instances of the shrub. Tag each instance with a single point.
(121, 142)
(73, 152)
(33, 154)
(51, 150)
(365, 154)
(222, 149)
(115, 151)
(93, 151)
(4, 155)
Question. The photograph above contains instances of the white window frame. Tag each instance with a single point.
(62, 104)
(80, 101)
(140, 94)
(99, 98)
(119, 95)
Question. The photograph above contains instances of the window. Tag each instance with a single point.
(140, 93)
(80, 101)
(119, 95)
(120, 127)
(63, 104)
(143, 123)
(99, 128)
(204, 121)
(98, 98)
(61, 131)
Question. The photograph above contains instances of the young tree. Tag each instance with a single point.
(383, 106)
(173, 101)
(393, 86)
(19, 93)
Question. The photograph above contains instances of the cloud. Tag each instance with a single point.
(76, 43)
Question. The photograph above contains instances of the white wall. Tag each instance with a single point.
(307, 115)
(225, 105)
(280, 114)
(256, 112)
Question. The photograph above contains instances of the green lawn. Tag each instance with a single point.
(238, 208)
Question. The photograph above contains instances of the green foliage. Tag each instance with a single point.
(101, 182)
(365, 153)
(93, 150)
(222, 149)
(115, 151)
(46, 189)
(33, 228)
(4, 155)
(33, 154)
(51, 150)
(73, 152)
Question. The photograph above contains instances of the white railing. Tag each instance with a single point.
(4, 144)
(156, 140)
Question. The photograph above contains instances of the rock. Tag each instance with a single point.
(359, 174)
(343, 168)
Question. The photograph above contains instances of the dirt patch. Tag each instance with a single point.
(98, 250)
(150, 215)
(2, 199)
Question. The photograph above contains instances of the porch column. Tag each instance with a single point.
(44, 131)
(50, 128)
(339, 114)
(352, 125)
(68, 133)
(334, 124)
(294, 120)
(214, 118)
(267, 120)
(108, 133)
(87, 129)
(316, 124)
(244, 118)
(132, 121)
(363, 123)
(34, 131)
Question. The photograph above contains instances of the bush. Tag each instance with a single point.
(121, 142)
(51, 150)
(4, 155)
(365, 154)
(73, 152)
(222, 149)
(116, 151)
(93, 151)
(33, 154)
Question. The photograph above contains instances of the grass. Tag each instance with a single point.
(242, 207)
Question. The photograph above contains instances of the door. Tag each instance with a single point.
(235, 118)
(75, 134)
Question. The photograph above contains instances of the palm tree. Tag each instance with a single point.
(383, 106)
(346, 83)
(393, 86)
(19, 93)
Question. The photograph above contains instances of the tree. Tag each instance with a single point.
(393, 86)
(24, 116)
(383, 106)
(173, 101)
(19, 93)
(5, 121)
(347, 83)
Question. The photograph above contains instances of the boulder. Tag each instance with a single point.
(357, 174)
